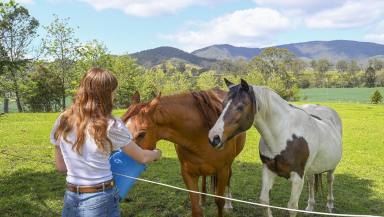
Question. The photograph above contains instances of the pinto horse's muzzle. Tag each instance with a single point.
(215, 142)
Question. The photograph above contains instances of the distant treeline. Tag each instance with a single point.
(44, 82)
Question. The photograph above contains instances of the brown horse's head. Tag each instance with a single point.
(237, 116)
(139, 119)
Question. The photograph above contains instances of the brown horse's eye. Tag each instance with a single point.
(141, 135)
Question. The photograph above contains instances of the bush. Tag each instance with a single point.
(376, 97)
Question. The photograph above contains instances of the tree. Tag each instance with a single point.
(42, 94)
(273, 64)
(370, 76)
(342, 66)
(128, 74)
(322, 66)
(376, 97)
(17, 31)
(94, 54)
(377, 64)
(207, 80)
(60, 45)
(353, 67)
(298, 66)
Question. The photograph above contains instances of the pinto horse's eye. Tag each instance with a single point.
(141, 135)
(240, 108)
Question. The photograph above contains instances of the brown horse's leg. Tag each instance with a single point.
(191, 182)
(203, 189)
(222, 182)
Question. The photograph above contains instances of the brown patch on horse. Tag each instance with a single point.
(210, 104)
(292, 159)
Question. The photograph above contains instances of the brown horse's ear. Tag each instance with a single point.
(152, 104)
(135, 97)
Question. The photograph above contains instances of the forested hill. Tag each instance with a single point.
(158, 55)
(332, 50)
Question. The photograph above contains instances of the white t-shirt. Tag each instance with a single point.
(91, 166)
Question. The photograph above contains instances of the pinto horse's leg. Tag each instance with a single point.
(228, 203)
(330, 198)
(222, 182)
(311, 198)
(203, 189)
(191, 182)
(267, 182)
(297, 187)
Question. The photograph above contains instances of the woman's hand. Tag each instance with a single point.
(159, 153)
(140, 155)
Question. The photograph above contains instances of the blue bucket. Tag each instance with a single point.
(124, 164)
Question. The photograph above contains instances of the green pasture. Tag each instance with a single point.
(32, 188)
(355, 95)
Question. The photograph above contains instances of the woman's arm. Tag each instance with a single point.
(140, 155)
(60, 164)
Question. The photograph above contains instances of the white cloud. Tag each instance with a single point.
(302, 5)
(145, 8)
(351, 14)
(25, 1)
(251, 27)
(377, 35)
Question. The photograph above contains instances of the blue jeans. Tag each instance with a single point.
(100, 204)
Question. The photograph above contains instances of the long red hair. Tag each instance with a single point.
(90, 111)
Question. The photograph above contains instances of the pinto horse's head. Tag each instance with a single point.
(139, 119)
(237, 116)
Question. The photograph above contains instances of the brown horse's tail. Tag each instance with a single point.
(318, 182)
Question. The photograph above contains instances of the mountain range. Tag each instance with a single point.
(204, 57)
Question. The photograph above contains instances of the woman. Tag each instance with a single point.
(84, 136)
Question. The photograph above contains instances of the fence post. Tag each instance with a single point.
(6, 108)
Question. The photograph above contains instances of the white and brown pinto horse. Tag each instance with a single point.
(295, 141)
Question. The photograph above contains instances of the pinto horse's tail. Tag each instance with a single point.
(318, 182)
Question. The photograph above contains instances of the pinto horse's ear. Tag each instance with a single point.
(135, 97)
(228, 83)
(244, 85)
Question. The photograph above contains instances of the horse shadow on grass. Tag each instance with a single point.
(30, 193)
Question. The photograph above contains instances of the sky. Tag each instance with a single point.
(128, 26)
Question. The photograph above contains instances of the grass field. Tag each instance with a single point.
(360, 95)
(31, 188)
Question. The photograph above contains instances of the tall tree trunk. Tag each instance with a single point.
(63, 97)
(6, 108)
(16, 86)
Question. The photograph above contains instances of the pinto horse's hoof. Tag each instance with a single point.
(228, 207)
(331, 210)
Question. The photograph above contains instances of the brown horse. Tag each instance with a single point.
(185, 119)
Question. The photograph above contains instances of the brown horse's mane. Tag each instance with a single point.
(133, 110)
(209, 102)
(210, 105)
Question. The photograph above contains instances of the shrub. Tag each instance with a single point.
(376, 97)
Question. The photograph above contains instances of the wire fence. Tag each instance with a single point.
(264, 206)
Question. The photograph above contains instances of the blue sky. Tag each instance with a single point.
(127, 26)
